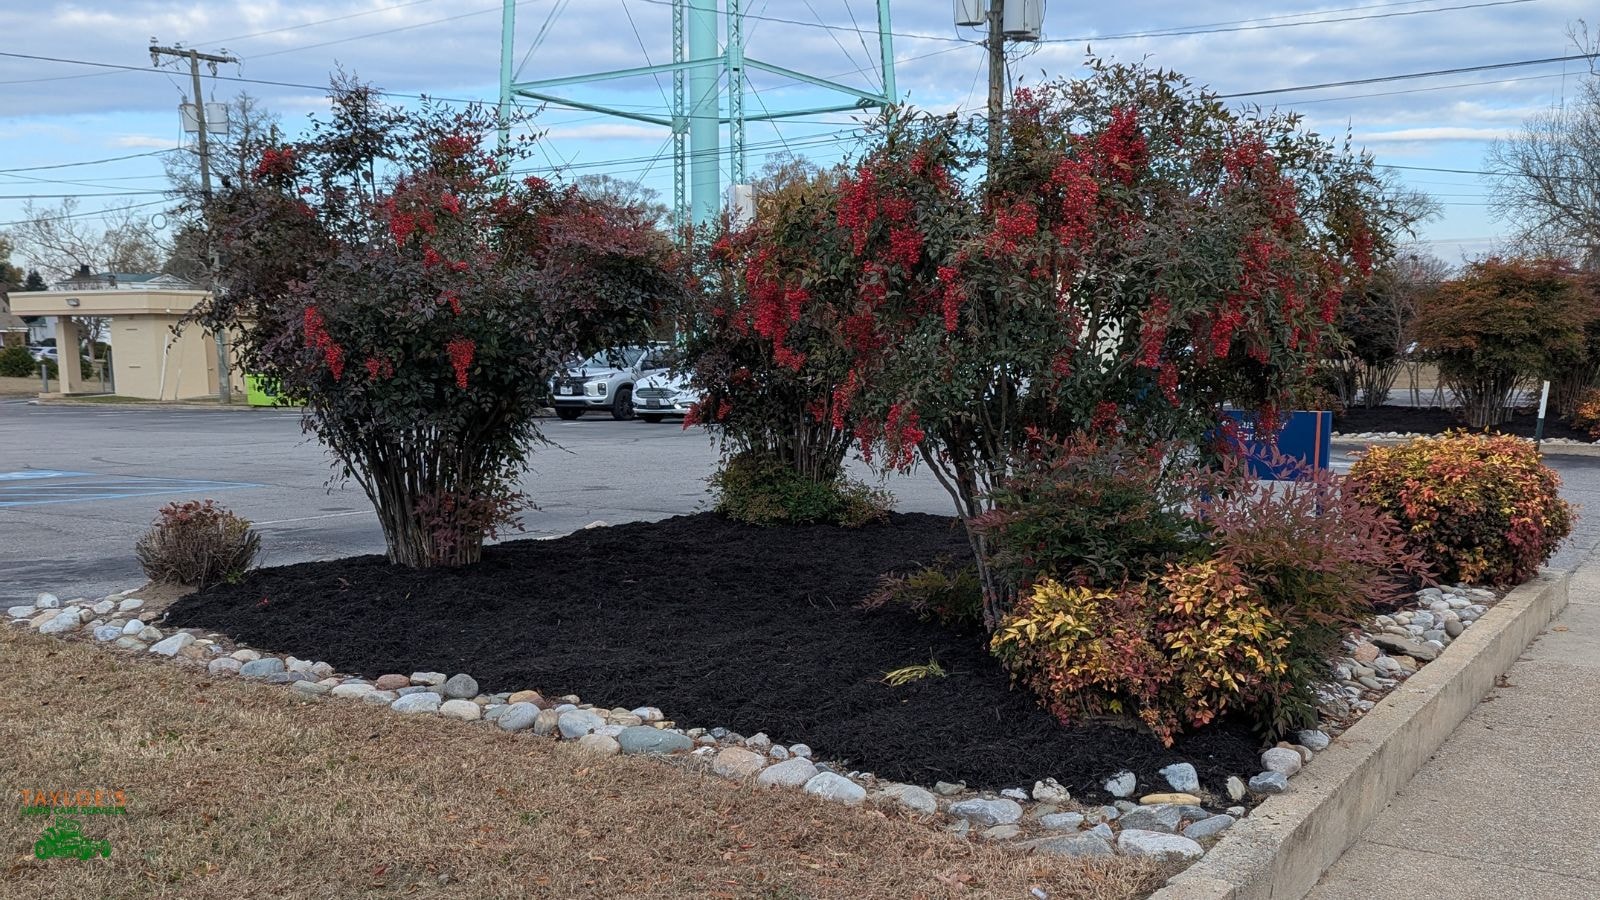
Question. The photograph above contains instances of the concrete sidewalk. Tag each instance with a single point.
(1506, 809)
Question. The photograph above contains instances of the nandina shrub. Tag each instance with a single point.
(387, 273)
(1245, 623)
(1227, 647)
(762, 490)
(1318, 557)
(1480, 508)
(1087, 651)
(197, 543)
(769, 387)
(1086, 511)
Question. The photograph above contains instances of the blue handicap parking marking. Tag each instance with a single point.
(28, 488)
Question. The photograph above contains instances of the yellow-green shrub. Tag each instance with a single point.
(1085, 651)
(1480, 508)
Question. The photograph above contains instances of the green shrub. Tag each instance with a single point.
(1480, 508)
(942, 592)
(198, 543)
(762, 491)
(1082, 512)
(17, 362)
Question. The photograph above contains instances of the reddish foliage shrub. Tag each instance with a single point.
(199, 543)
(1503, 321)
(1481, 508)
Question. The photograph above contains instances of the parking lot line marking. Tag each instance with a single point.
(42, 492)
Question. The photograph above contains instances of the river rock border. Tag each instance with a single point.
(1177, 820)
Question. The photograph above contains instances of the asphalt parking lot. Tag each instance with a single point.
(79, 484)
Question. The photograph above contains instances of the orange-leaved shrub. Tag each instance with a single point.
(1245, 623)
(1586, 414)
(199, 543)
(1481, 508)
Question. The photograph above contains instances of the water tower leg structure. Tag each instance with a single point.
(696, 117)
(705, 112)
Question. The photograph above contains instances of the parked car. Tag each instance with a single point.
(663, 394)
(605, 381)
(41, 353)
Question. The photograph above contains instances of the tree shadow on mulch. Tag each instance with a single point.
(717, 623)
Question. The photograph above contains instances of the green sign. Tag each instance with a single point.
(65, 838)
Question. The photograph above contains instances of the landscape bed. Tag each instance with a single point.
(1434, 420)
(718, 624)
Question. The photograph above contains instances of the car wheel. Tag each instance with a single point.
(622, 404)
(651, 419)
(568, 413)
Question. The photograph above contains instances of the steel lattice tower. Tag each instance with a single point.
(701, 73)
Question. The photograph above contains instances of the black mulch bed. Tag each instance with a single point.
(754, 629)
(1423, 420)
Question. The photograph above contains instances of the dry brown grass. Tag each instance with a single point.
(243, 790)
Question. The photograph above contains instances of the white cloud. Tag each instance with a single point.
(142, 140)
(1436, 133)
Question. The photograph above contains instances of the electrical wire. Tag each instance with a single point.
(1458, 70)
(88, 162)
(83, 215)
(1271, 25)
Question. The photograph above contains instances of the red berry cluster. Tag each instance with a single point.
(461, 350)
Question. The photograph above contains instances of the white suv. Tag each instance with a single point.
(605, 381)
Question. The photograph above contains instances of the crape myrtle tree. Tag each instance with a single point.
(389, 273)
(1137, 257)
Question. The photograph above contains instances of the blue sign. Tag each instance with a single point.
(1307, 438)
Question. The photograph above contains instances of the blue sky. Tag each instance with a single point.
(53, 113)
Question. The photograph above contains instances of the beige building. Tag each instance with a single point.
(152, 357)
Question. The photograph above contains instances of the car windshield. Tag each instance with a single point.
(613, 359)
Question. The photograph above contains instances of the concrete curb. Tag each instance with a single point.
(1548, 449)
(1282, 848)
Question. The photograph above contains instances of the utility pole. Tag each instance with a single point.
(996, 46)
(203, 146)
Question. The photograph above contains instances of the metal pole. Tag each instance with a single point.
(508, 29)
(886, 52)
(997, 80)
(1544, 402)
(704, 111)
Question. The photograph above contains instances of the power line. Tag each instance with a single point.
(88, 162)
(1269, 25)
(82, 215)
(76, 196)
(1459, 70)
(354, 15)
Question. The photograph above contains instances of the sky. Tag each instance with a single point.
(59, 112)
